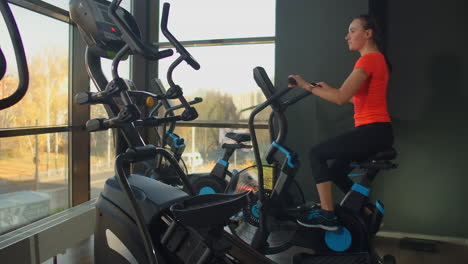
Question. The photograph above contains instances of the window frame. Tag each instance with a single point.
(78, 160)
(210, 43)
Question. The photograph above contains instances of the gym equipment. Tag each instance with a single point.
(166, 136)
(214, 181)
(269, 222)
(156, 223)
(21, 62)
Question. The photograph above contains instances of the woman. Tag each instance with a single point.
(366, 88)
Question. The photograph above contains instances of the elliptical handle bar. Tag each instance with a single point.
(182, 51)
(20, 57)
(134, 42)
(297, 98)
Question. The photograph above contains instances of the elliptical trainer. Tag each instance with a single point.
(156, 222)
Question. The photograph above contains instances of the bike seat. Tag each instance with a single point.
(238, 137)
(380, 160)
(388, 154)
(209, 210)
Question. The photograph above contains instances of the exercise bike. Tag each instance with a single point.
(157, 223)
(220, 179)
(269, 224)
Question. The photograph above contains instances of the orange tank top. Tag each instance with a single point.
(370, 101)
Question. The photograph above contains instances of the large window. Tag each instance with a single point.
(34, 171)
(64, 4)
(204, 148)
(33, 178)
(225, 76)
(45, 42)
(214, 19)
(58, 3)
(228, 40)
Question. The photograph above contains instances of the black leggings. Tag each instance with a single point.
(356, 145)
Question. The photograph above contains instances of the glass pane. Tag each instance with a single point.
(225, 76)
(46, 44)
(203, 148)
(102, 143)
(33, 178)
(64, 4)
(102, 160)
(214, 19)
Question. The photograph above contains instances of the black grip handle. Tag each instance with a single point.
(164, 53)
(196, 100)
(293, 81)
(83, 98)
(192, 62)
(95, 125)
(99, 124)
(142, 153)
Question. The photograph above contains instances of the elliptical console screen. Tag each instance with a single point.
(99, 32)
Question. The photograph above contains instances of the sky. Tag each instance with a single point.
(223, 68)
(215, 19)
(226, 68)
(38, 32)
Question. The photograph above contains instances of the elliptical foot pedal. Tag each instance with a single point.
(348, 258)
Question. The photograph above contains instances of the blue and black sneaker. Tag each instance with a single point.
(319, 218)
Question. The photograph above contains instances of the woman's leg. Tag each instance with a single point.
(325, 194)
(357, 144)
(339, 171)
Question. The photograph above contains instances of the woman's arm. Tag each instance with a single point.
(338, 96)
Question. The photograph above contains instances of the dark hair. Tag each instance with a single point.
(370, 22)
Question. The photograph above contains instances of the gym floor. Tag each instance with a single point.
(443, 253)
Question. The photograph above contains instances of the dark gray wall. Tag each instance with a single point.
(427, 44)
(310, 42)
(428, 92)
